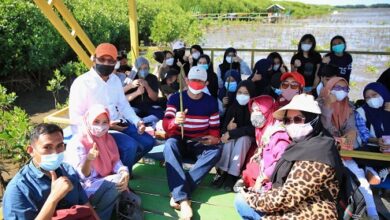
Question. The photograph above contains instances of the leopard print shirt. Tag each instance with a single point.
(301, 195)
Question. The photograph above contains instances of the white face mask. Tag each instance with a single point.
(340, 95)
(229, 59)
(99, 130)
(257, 119)
(194, 91)
(306, 47)
(276, 67)
(298, 132)
(196, 55)
(376, 102)
(169, 61)
(242, 99)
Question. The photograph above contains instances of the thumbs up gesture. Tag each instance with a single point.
(93, 152)
(59, 187)
(232, 125)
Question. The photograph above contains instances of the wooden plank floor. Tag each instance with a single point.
(151, 184)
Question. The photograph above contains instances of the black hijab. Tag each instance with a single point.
(225, 66)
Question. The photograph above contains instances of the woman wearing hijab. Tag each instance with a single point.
(231, 62)
(278, 68)
(261, 76)
(385, 79)
(212, 79)
(94, 154)
(196, 51)
(167, 64)
(238, 133)
(227, 94)
(297, 193)
(339, 119)
(373, 123)
(271, 139)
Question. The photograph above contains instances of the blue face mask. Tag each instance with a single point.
(204, 66)
(51, 162)
(277, 91)
(231, 86)
(339, 48)
(143, 73)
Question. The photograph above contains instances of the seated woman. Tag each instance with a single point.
(278, 68)
(212, 79)
(168, 62)
(170, 83)
(271, 139)
(373, 123)
(261, 76)
(292, 84)
(228, 93)
(238, 133)
(296, 193)
(192, 60)
(94, 154)
(339, 119)
(143, 97)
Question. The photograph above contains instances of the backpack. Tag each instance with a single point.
(350, 201)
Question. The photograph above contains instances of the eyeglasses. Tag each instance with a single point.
(109, 61)
(341, 88)
(292, 85)
(296, 119)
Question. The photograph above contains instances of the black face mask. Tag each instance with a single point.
(175, 86)
(104, 70)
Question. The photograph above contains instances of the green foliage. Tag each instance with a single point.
(73, 68)
(14, 128)
(371, 69)
(55, 85)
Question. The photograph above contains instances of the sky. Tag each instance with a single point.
(343, 2)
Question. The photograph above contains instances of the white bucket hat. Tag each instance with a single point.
(178, 45)
(301, 102)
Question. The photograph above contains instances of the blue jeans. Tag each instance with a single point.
(149, 114)
(182, 183)
(132, 146)
(244, 210)
(104, 199)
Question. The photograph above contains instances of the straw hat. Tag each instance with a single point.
(301, 102)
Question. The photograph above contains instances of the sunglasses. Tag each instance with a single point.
(293, 85)
(341, 88)
(109, 61)
(296, 119)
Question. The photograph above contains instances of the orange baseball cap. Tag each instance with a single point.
(106, 49)
(297, 77)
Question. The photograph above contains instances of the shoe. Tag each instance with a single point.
(383, 174)
(185, 210)
(229, 183)
(372, 176)
(238, 185)
(218, 180)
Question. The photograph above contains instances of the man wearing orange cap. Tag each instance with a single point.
(99, 86)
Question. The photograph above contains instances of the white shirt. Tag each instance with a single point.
(89, 89)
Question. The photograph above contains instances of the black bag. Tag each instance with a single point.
(350, 201)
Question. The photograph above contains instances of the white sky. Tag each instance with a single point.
(343, 2)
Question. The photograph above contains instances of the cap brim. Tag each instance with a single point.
(280, 113)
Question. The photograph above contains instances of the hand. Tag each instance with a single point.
(93, 152)
(143, 82)
(136, 83)
(186, 58)
(59, 186)
(330, 99)
(326, 60)
(123, 183)
(141, 127)
(232, 125)
(225, 137)
(179, 64)
(209, 140)
(180, 117)
(127, 87)
(256, 77)
(114, 126)
(387, 106)
(297, 63)
(237, 59)
(140, 90)
(283, 69)
(258, 183)
(225, 101)
(190, 60)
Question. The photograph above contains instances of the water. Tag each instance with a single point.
(363, 29)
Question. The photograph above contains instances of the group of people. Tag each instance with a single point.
(273, 135)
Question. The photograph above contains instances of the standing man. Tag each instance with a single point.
(100, 86)
(45, 184)
(200, 119)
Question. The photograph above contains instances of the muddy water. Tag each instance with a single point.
(363, 29)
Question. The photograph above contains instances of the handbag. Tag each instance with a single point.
(76, 212)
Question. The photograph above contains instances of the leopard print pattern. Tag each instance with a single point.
(301, 196)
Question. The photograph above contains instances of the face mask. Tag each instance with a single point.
(204, 66)
(229, 59)
(169, 61)
(99, 130)
(306, 47)
(51, 162)
(276, 67)
(278, 92)
(257, 119)
(298, 132)
(242, 99)
(340, 95)
(231, 86)
(196, 55)
(339, 48)
(195, 87)
(104, 70)
(175, 86)
(376, 102)
(143, 73)
(117, 65)
(289, 93)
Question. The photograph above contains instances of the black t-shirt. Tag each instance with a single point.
(144, 98)
(344, 63)
(308, 66)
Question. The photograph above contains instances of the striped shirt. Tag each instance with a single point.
(202, 117)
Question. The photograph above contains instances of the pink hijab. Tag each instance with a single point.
(267, 105)
(108, 150)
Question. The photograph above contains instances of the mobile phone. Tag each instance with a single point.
(123, 123)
